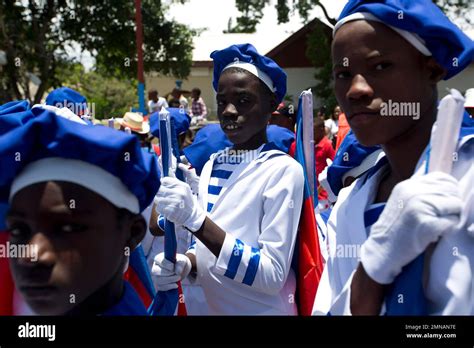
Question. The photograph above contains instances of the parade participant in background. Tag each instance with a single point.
(406, 224)
(342, 130)
(177, 100)
(252, 194)
(198, 110)
(65, 97)
(323, 151)
(284, 116)
(137, 125)
(76, 196)
(332, 124)
(155, 102)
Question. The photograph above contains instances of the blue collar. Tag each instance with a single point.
(130, 304)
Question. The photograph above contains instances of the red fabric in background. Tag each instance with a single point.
(322, 151)
(6, 281)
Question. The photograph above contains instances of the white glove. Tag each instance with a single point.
(166, 274)
(176, 203)
(172, 169)
(419, 211)
(191, 177)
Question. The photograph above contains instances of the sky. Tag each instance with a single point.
(213, 16)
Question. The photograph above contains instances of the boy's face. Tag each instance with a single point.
(373, 65)
(318, 132)
(282, 121)
(243, 105)
(79, 242)
(153, 96)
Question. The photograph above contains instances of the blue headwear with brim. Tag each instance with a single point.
(180, 119)
(448, 45)
(211, 139)
(65, 97)
(49, 138)
(14, 114)
(238, 55)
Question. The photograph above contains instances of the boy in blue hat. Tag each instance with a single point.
(401, 223)
(65, 97)
(77, 200)
(252, 194)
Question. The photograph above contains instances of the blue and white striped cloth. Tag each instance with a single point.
(224, 166)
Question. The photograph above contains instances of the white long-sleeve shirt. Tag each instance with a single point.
(258, 206)
(449, 275)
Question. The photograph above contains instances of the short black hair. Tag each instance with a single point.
(288, 110)
(196, 90)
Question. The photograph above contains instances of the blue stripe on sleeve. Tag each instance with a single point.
(372, 215)
(214, 190)
(235, 259)
(161, 222)
(220, 173)
(252, 268)
(209, 207)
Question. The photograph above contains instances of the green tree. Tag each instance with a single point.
(108, 96)
(319, 43)
(36, 34)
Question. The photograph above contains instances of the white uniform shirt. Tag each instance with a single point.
(259, 207)
(161, 103)
(449, 278)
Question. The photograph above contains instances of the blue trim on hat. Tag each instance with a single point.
(48, 135)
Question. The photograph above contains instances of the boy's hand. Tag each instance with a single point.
(166, 274)
(419, 211)
(191, 177)
(176, 203)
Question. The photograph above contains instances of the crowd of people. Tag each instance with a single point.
(394, 235)
(197, 110)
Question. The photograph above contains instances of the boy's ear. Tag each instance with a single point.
(137, 226)
(436, 71)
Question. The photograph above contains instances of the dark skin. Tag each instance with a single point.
(282, 121)
(153, 95)
(195, 94)
(80, 245)
(382, 66)
(319, 132)
(243, 100)
(336, 113)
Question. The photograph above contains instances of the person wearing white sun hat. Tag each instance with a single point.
(135, 122)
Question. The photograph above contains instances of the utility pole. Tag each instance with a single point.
(139, 40)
